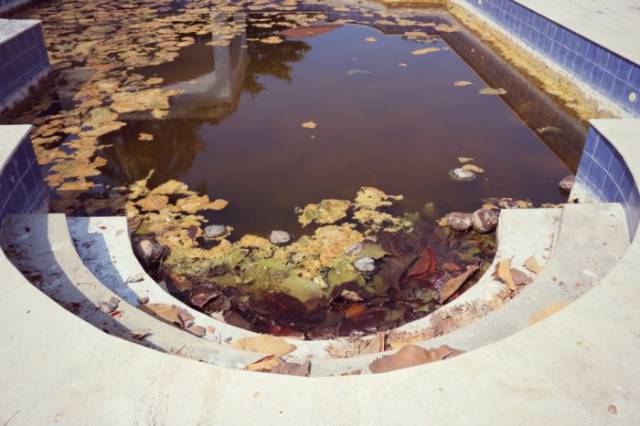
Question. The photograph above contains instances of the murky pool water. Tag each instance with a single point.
(385, 118)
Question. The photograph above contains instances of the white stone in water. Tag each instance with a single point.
(214, 231)
(279, 237)
(462, 175)
(485, 220)
(365, 264)
(566, 184)
(459, 221)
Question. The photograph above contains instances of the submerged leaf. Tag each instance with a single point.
(452, 285)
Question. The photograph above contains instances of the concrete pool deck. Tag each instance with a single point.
(612, 23)
(578, 366)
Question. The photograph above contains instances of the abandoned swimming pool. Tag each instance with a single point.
(280, 110)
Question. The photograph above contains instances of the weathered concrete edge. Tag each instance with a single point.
(12, 5)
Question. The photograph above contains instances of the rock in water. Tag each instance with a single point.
(485, 220)
(566, 184)
(279, 237)
(365, 264)
(214, 231)
(461, 175)
(149, 251)
(459, 221)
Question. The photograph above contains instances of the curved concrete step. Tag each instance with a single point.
(41, 248)
(591, 241)
(104, 246)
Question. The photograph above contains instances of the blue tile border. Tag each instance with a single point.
(611, 75)
(605, 174)
(23, 59)
(10, 5)
(22, 187)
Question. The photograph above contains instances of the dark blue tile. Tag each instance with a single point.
(604, 154)
(627, 184)
(596, 177)
(609, 190)
(616, 169)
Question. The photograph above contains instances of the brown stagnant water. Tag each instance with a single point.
(236, 132)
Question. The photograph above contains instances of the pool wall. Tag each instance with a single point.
(23, 60)
(610, 75)
(603, 173)
(10, 5)
(22, 189)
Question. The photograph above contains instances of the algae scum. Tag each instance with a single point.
(253, 117)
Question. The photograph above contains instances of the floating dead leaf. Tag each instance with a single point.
(155, 100)
(473, 168)
(153, 202)
(425, 51)
(372, 198)
(271, 40)
(370, 39)
(462, 83)
(402, 65)
(546, 312)
(451, 286)
(218, 204)
(265, 344)
(195, 203)
(490, 91)
(532, 265)
(145, 137)
(446, 28)
(171, 187)
(411, 355)
(325, 212)
(503, 271)
(309, 125)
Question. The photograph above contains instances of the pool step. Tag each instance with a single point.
(592, 239)
(40, 246)
(104, 246)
